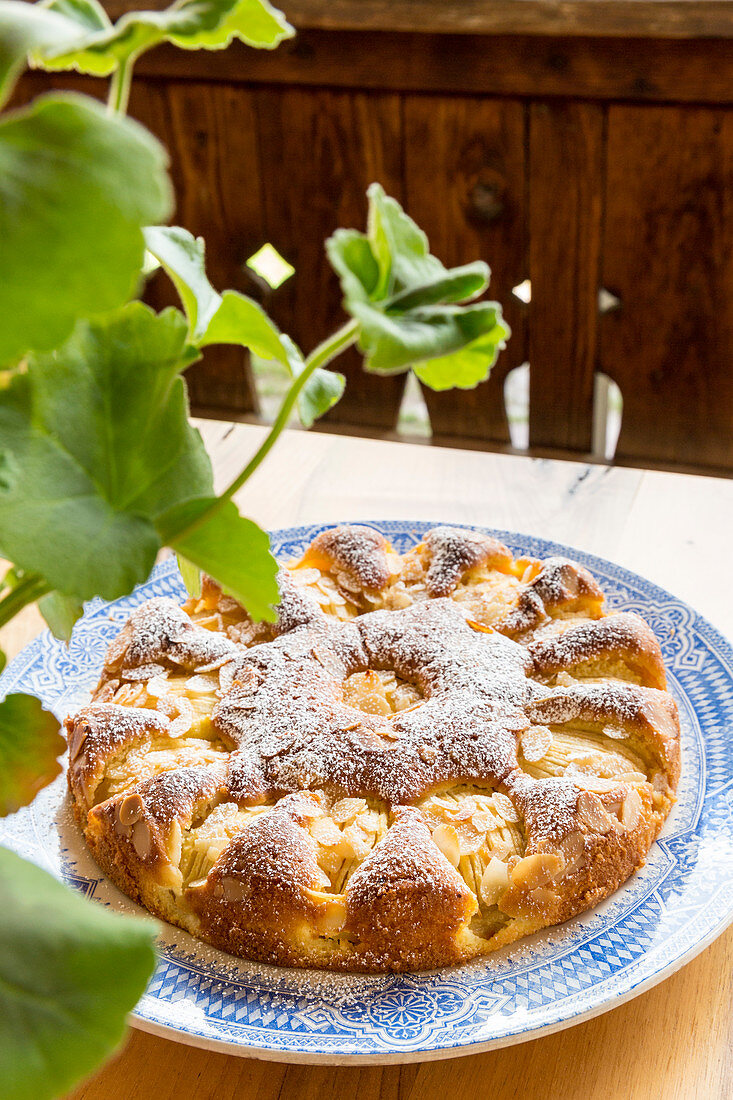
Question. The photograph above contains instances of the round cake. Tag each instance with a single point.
(426, 757)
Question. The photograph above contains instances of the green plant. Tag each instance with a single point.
(85, 368)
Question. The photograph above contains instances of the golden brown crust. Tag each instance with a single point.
(483, 753)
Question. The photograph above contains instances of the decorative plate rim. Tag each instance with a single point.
(408, 1037)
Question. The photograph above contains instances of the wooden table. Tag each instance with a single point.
(673, 1041)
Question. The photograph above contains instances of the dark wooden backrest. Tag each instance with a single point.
(579, 163)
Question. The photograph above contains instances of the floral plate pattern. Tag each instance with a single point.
(677, 904)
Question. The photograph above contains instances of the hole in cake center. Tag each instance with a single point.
(380, 692)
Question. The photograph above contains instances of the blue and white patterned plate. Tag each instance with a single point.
(665, 915)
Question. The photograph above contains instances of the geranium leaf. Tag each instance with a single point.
(230, 548)
(240, 320)
(461, 284)
(60, 613)
(76, 188)
(394, 342)
(70, 972)
(182, 256)
(88, 14)
(351, 257)
(25, 28)
(30, 744)
(100, 429)
(189, 24)
(398, 244)
(411, 310)
(321, 392)
(465, 368)
(190, 575)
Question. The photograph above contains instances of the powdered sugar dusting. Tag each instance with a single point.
(453, 551)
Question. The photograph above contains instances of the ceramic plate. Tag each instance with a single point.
(679, 902)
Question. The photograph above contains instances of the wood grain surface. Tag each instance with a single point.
(566, 160)
(673, 1042)
(466, 186)
(665, 18)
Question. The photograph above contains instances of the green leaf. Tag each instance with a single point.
(60, 613)
(230, 548)
(25, 28)
(182, 256)
(30, 744)
(189, 24)
(465, 368)
(76, 188)
(392, 342)
(321, 392)
(411, 310)
(3, 659)
(461, 284)
(351, 257)
(190, 574)
(100, 429)
(70, 972)
(399, 246)
(240, 320)
(88, 14)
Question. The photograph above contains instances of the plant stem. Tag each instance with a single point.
(321, 355)
(324, 353)
(27, 591)
(119, 87)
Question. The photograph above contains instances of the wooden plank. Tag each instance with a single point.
(626, 18)
(668, 255)
(209, 131)
(694, 70)
(319, 151)
(566, 159)
(465, 184)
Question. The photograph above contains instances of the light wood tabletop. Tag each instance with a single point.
(673, 1041)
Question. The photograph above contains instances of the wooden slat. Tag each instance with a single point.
(465, 184)
(696, 70)
(668, 255)
(566, 155)
(319, 151)
(209, 131)
(665, 18)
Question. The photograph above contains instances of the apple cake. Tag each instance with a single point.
(427, 756)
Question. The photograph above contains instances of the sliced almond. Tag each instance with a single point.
(505, 807)
(446, 837)
(131, 809)
(593, 813)
(494, 881)
(591, 782)
(536, 743)
(141, 839)
(572, 849)
(616, 733)
(536, 870)
(346, 809)
(631, 810)
(428, 753)
(483, 821)
(359, 844)
(325, 831)
(201, 685)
